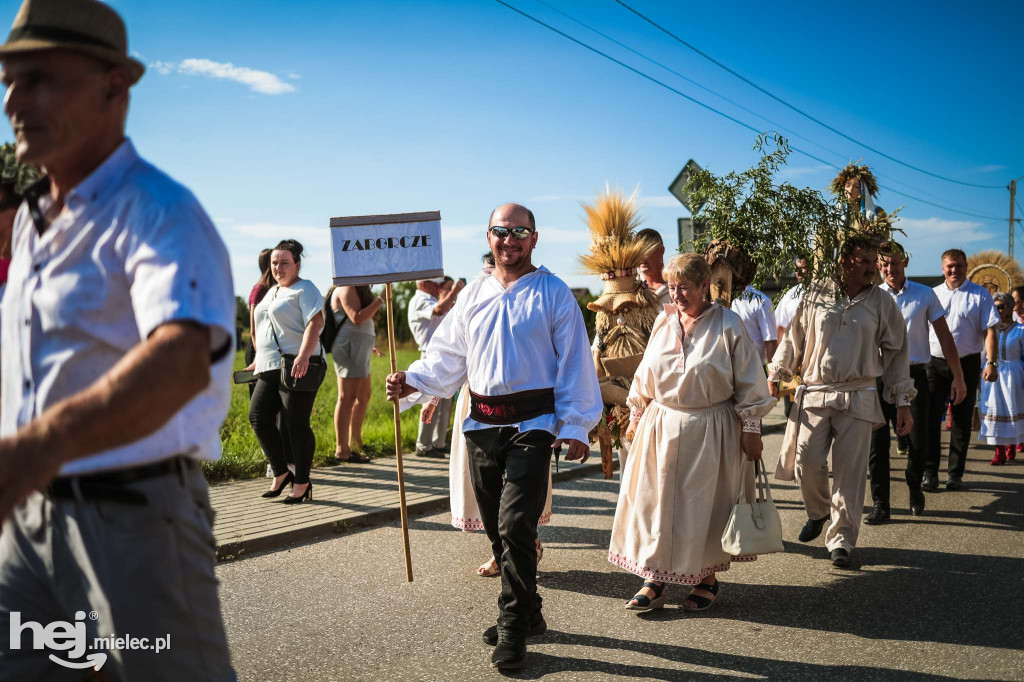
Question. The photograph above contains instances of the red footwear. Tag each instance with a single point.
(1000, 457)
(1011, 451)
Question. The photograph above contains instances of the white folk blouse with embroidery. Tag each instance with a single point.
(712, 363)
(528, 336)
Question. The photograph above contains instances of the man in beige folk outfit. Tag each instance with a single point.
(117, 332)
(845, 335)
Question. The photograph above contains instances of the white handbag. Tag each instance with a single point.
(755, 527)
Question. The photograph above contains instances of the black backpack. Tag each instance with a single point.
(331, 327)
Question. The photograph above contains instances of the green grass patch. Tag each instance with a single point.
(242, 456)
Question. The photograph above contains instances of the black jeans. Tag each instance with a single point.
(291, 435)
(509, 469)
(940, 378)
(878, 460)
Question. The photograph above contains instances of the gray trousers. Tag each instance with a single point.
(432, 435)
(114, 570)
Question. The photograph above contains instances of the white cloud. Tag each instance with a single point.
(294, 76)
(262, 82)
(927, 238)
(271, 233)
(989, 168)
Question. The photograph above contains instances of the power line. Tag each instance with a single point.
(716, 111)
(688, 79)
(730, 101)
(796, 109)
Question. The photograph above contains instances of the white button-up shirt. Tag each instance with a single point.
(787, 306)
(422, 320)
(920, 307)
(755, 309)
(131, 250)
(526, 337)
(969, 313)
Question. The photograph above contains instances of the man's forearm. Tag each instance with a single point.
(137, 396)
(950, 353)
(992, 344)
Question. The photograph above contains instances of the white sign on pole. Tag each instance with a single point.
(376, 249)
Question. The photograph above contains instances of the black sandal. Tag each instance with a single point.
(703, 603)
(355, 458)
(645, 603)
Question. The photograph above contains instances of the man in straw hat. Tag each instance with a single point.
(117, 328)
(518, 337)
(846, 334)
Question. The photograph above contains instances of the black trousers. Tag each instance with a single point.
(940, 378)
(509, 469)
(878, 460)
(280, 420)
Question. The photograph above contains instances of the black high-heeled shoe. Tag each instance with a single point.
(289, 478)
(308, 495)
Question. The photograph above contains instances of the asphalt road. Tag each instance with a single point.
(936, 597)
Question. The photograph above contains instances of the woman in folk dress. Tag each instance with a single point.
(1002, 401)
(697, 400)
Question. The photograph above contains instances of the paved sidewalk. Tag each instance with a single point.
(347, 496)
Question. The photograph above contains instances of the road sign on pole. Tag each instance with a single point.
(679, 190)
(689, 229)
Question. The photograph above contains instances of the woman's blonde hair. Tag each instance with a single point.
(688, 266)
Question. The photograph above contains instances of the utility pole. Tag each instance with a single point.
(1013, 196)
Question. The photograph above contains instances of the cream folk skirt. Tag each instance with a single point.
(465, 513)
(678, 489)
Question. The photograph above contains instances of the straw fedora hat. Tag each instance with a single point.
(83, 26)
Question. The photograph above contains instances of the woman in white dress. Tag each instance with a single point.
(1002, 401)
(697, 400)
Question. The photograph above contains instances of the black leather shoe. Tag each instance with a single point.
(930, 482)
(916, 502)
(510, 653)
(840, 558)
(812, 529)
(955, 483)
(877, 515)
(490, 635)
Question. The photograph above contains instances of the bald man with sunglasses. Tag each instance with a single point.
(519, 338)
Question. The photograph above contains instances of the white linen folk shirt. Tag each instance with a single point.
(787, 306)
(132, 250)
(755, 310)
(284, 311)
(920, 308)
(969, 314)
(526, 337)
(422, 320)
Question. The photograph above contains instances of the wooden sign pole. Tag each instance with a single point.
(389, 298)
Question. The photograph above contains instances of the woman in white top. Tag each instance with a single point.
(288, 322)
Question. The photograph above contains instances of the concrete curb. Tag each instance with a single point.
(233, 551)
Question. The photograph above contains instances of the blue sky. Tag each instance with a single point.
(280, 115)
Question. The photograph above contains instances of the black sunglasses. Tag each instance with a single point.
(1002, 306)
(517, 232)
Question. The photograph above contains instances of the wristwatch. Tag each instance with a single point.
(994, 364)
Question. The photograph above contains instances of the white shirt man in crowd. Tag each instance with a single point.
(785, 311)
(652, 267)
(427, 308)
(1018, 304)
(529, 393)
(755, 309)
(845, 335)
(117, 336)
(922, 311)
(972, 320)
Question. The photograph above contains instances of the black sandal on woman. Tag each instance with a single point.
(274, 492)
(702, 603)
(354, 458)
(645, 603)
